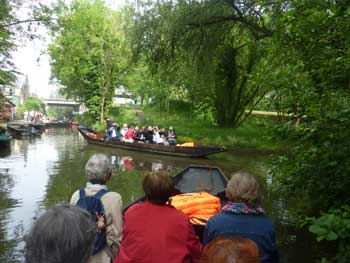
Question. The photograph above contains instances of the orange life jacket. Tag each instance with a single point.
(186, 144)
(198, 206)
(91, 135)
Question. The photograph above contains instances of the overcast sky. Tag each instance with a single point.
(31, 59)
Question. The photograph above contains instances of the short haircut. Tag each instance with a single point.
(158, 187)
(243, 187)
(98, 168)
(62, 234)
(230, 250)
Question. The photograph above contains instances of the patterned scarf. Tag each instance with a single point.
(242, 208)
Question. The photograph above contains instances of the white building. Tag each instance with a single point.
(123, 96)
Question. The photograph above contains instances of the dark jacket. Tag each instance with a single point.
(257, 228)
(149, 136)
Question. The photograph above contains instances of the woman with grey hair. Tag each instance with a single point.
(242, 216)
(98, 171)
(62, 234)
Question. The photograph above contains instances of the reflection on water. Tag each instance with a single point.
(41, 172)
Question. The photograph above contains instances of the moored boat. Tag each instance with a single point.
(184, 151)
(195, 179)
(23, 129)
(5, 138)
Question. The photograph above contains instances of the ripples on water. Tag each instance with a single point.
(40, 172)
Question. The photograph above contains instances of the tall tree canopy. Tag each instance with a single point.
(88, 54)
(12, 26)
(219, 43)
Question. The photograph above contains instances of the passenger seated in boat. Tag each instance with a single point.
(162, 132)
(98, 171)
(171, 136)
(156, 136)
(129, 135)
(156, 232)
(165, 140)
(149, 135)
(242, 216)
(115, 132)
(228, 250)
(62, 234)
(124, 130)
(138, 137)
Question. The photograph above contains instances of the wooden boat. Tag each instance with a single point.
(197, 178)
(39, 126)
(195, 151)
(23, 129)
(5, 139)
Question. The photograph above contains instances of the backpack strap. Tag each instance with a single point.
(100, 193)
(82, 193)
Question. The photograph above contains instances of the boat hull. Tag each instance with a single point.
(5, 140)
(181, 151)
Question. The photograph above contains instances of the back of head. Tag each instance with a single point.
(230, 250)
(98, 168)
(243, 187)
(62, 234)
(158, 187)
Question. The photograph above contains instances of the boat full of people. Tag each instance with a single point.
(129, 142)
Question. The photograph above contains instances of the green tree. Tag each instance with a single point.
(221, 42)
(34, 104)
(88, 54)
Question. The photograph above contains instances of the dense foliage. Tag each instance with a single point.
(208, 50)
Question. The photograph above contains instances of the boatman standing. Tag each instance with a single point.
(105, 208)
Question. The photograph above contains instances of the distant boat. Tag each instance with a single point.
(58, 124)
(182, 151)
(23, 129)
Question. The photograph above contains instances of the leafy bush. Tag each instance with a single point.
(317, 163)
(334, 226)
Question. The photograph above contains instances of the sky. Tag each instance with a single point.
(31, 59)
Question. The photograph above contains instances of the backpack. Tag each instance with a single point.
(93, 204)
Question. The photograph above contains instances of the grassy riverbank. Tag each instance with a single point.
(254, 134)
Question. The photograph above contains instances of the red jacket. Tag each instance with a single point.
(157, 234)
(129, 134)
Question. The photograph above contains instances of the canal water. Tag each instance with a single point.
(38, 173)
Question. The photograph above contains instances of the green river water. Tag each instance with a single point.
(40, 172)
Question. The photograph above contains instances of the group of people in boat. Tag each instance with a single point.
(153, 231)
(150, 134)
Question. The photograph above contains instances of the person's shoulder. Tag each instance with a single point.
(176, 213)
(75, 197)
(114, 195)
(267, 221)
(135, 208)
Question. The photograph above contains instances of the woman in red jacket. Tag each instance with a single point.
(156, 232)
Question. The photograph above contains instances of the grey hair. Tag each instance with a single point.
(62, 234)
(98, 167)
(243, 187)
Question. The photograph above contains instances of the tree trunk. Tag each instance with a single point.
(103, 98)
(167, 103)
